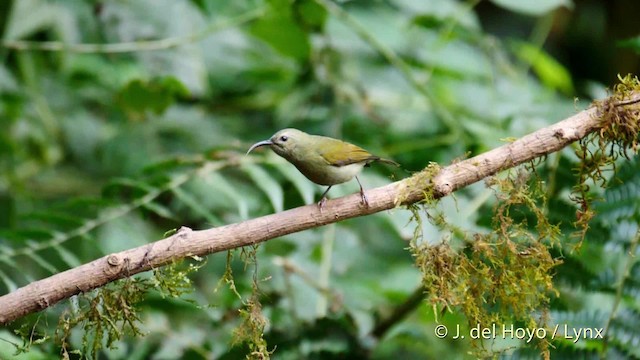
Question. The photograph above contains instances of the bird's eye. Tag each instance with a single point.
(283, 138)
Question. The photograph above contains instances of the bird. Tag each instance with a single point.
(321, 159)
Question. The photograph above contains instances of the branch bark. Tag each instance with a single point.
(49, 291)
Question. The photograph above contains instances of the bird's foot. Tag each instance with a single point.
(321, 203)
(365, 201)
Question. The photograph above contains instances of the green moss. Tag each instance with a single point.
(107, 314)
(251, 330)
(104, 315)
(502, 276)
(506, 275)
(598, 152)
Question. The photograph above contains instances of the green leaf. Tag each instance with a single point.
(11, 285)
(533, 7)
(217, 183)
(311, 13)
(267, 184)
(283, 34)
(305, 187)
(171, 164)
(7, 80)
(195, 205)
(118, 186)
(60, 220)
(124, 233)
(159, 210)
(549, 70)
(8, 348)
(631, 43)
(70, 258)
(621, 200)
(30, 16)
(42, 262)
(140, 96)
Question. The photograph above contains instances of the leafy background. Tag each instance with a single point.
(107, 147)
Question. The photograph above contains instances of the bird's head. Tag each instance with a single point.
(284, 143)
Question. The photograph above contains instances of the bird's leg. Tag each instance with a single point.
(362, 195)
(323, 199)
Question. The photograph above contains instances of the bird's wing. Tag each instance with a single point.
(344, 153)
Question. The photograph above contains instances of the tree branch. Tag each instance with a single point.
(134, 46)
(49, 291)
(399, 313)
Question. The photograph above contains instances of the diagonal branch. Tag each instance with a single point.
(49, 291)
(134, 46)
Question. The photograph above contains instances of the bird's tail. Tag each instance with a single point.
(387, 161)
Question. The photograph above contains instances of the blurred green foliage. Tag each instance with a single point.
(125, 119)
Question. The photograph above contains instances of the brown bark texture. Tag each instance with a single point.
(43, 293)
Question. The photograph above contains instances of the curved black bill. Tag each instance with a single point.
(258, 144)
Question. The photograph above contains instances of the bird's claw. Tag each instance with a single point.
(321, 203)
(365, 201)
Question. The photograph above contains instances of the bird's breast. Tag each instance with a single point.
(329, 174)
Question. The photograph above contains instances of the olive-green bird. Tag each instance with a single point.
(323, 160)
